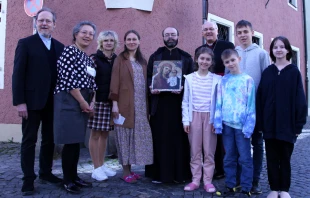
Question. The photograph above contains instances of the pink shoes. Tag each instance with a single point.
(135, 175)
(129, 179)
(209, 188)
(190, 187)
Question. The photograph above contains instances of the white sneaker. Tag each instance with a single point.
(284, 194)
(109, 172)
(273, 194)
(99, 175)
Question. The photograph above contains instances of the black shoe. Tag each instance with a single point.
(226, 192)
(244, 194)
(218, 176)
(27, 188)
(81, 183)
(50, 179)
(72, 188)
(256, 189)
(237, 188)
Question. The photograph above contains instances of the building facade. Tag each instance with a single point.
(278, 17)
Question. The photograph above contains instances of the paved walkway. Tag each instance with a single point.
(10, 177)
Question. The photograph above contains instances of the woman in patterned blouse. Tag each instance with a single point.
(128, 91)
(73, 94)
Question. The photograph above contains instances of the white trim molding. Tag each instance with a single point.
(296, 49)
(261, 38)
(225, 22)
(293, 4)
(2, 39)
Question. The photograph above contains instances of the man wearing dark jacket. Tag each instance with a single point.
(33, 83)
(171, 146)
(210, 32)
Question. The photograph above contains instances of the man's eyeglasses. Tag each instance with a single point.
(172, 35)
(210, 29)
(45, 20)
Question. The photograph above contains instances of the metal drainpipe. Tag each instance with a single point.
(205, 7)
(306, 51)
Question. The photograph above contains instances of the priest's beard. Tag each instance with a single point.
(171, 43)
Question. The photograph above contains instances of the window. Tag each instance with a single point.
(292, 3)
(258, 39)
(3, 4)
(296, 56)
(223, 32)
(225, 28)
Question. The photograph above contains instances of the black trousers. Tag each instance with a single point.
(219, 156)
(278, 155)
(70, 158)
(30, 128)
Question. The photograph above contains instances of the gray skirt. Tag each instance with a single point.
(69, 121)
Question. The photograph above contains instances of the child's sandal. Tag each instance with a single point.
(209, 188)
(190, 187)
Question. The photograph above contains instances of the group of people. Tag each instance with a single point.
(203, 130)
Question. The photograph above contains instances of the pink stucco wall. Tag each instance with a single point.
(278, 18)
(185, 15)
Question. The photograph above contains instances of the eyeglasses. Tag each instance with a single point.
(87, 33)
(210, 29)
(172, 35)
(45, 20)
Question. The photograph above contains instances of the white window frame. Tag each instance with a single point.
(225, 22)
(292, 5)
(2, 39)
(261, 38)
(296, 49)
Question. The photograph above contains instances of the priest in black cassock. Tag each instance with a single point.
(171, 146)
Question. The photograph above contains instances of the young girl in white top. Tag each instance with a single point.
(197, 116)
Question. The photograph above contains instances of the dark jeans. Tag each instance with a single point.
(257, 142)
(278, 155)
(238, 149)
(70, 158)
(30, 128)
(219, 156)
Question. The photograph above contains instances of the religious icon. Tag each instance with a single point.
(167, 75)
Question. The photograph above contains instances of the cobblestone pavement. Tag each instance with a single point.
(10, 177)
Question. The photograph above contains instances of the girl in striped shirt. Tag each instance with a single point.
(197, 117)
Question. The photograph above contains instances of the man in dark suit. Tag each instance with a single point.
(33, 82)
(210, 32)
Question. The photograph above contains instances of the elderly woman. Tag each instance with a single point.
(73, 94)
(128, 93)
(100, 122)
